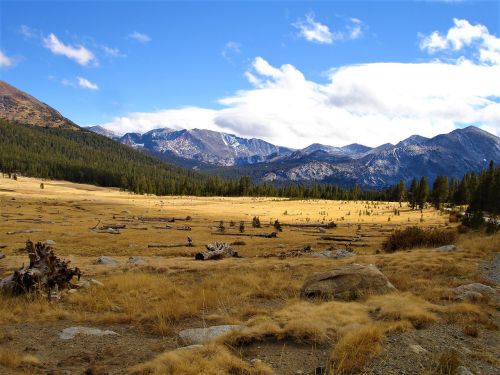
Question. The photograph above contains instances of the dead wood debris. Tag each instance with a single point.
(189, 243)
(264, 235)
(45, 274)
(24, 231)
(215, 251)
(289, 254)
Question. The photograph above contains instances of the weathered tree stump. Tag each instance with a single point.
(217, 250)
(46, 273)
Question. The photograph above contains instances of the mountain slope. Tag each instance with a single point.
(18, 106)
(203, 146)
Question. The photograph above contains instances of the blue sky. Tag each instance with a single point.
(140, 65)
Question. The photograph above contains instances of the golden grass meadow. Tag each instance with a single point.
(417, 329)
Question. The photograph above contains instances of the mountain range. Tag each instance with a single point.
(452, 154)
(227, 155)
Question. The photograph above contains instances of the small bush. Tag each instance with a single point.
(448, 363)
(474, 220)
(412, 237)
(471, 330)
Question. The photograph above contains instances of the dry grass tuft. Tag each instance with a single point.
(356, 348)
(210, 359)
(13, 360)
(447, 363)
(404, 306)
(413, 237)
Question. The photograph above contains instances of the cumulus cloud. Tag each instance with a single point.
(314, 31)
(370, 103)
(139, 37)
(5, 61)
(463, 34)
(86, 84)
(78, 53)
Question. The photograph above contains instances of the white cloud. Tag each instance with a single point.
(230, 49)
(78, 53)
(139, 37)
(463, 34)
(86, 84)
(314, 31)
(6, 61)
(112, 52)
(370, 103)
(28, 32)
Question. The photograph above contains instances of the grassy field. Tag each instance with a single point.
(148, 304)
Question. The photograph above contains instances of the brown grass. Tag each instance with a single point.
(413, 237)
(210, 359)
(356, 348)
(14, 360)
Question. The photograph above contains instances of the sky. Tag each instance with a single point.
(289, 72)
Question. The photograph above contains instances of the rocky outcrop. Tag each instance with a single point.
(346, 283)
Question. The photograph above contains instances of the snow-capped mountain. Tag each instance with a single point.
(204, 146)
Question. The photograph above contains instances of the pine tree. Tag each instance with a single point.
(440, 190)
(413, 193)
(423, 192)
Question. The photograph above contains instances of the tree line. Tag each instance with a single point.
(85, 157)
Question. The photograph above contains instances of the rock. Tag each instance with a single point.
(50, 242)
(103, 259)
(473, 292)
(348, 282)
(323, 254)
(462, 370)
(190, 347)
(2, 256)
(85, 284)
(417, 349)
(447, 248)
(204, 335)
(70, 332)
(136, 261)
(343, 254)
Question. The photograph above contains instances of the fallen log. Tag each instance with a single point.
(340, 238)
(264, 235)
(326, 226)
(164, 219)
(45, 274)
(189, 243)
(217, 250)
(112, 226)
(24, 231)
(289, 254)
(182, 227)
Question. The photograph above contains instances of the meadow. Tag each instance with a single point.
(418, 329)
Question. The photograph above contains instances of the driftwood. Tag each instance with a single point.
(46, 273)
(164, 219)
(327, 226)
(182, 227)
(112, 226)
(289, 254)
(340, 238)
(264, 235)
(217, 250)
(189, 243)
(24, 231)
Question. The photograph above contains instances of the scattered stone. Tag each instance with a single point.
(473, 292)
(136, 261)
(103, 259)
(190, 347)
(417, 349)
(70, 332)
(447, 248)
(348, 282)
(323, 254)
(50, 242)
(86, 284)
(203, 335)
(343, 254)
(462, 370)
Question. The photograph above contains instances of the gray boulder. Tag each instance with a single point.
(136, 261)
(347, 283)
(197, 336)
(70, 332)
(474, 292)
(447, 248)
(103, 259)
